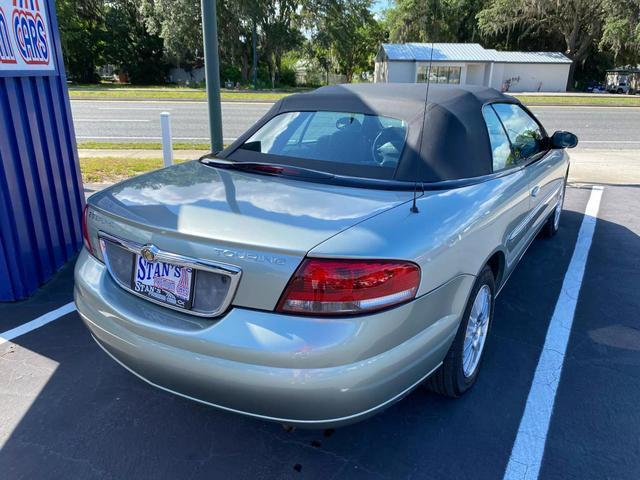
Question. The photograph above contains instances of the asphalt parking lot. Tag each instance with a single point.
(68, 411)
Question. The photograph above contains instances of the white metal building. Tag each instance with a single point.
(471, 64)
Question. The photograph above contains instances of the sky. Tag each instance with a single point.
(380, 5)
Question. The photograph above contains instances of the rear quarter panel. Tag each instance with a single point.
(454, 233)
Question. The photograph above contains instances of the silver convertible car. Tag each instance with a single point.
(347, 248)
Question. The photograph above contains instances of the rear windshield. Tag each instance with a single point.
(342, 143)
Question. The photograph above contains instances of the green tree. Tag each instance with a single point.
(621, 31)
(130, 46)
(179, 24)
(344, 35)
(433, 20)
(578, 26)
(280, 33)
(81, 24)
(235, 24)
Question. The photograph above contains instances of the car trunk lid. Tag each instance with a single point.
(263, 225)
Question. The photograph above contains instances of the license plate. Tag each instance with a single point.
(163, 282)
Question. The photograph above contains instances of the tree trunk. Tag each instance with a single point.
(576, 54)
(272, 71)
(349, 75)
(244, 69)
(278, 63)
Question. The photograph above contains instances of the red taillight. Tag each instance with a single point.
(85, 232)
(341, 287)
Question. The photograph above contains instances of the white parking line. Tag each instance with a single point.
(37, 323)
(528, 448)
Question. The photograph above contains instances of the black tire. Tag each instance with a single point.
(551, 227)
(449, 379)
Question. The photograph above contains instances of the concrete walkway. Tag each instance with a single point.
(614, 167)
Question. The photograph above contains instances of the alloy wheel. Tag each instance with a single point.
(476, 332)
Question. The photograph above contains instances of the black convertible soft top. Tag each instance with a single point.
(450, 142)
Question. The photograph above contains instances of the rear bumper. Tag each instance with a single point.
(309, 372)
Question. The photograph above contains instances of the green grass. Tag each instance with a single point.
(109, 169)
(128, 86)
(169, 92)
(89, 145)
(114, 91)
(173, 86)
(619, 100)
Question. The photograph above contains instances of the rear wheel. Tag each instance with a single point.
(553, 222)
(460, 367)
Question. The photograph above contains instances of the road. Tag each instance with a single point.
(69, 411)
(125, 121)
(121, 121)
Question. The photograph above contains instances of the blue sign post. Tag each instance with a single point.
(41, 194)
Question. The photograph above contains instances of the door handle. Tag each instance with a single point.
(534, 191)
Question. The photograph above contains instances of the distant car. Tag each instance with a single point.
(619, 86)
(347, 248)
(595, 87)
(622, 87)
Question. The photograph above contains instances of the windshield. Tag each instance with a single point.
(352, 144)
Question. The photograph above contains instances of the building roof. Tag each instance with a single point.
(624, 70)
(457, 143)
(529, 57)
(453, 52)
(463, 52)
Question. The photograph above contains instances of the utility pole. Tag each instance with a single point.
(212, 72)
(255, 55)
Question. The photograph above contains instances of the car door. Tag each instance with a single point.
(516, 202)
(545, 168)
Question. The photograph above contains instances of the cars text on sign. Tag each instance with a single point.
(25, 40)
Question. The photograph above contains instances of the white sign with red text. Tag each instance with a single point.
(25, 40)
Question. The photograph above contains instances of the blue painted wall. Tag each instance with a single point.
(41, 194)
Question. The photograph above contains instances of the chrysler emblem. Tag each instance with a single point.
(149, 253)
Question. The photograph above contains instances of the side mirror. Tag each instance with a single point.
(562, 139)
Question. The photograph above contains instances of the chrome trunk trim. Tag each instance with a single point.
(232, 272)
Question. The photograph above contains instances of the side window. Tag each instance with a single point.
(524, 132)
(500, 146)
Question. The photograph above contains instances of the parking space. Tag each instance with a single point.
(69, 411)
(595, 427)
